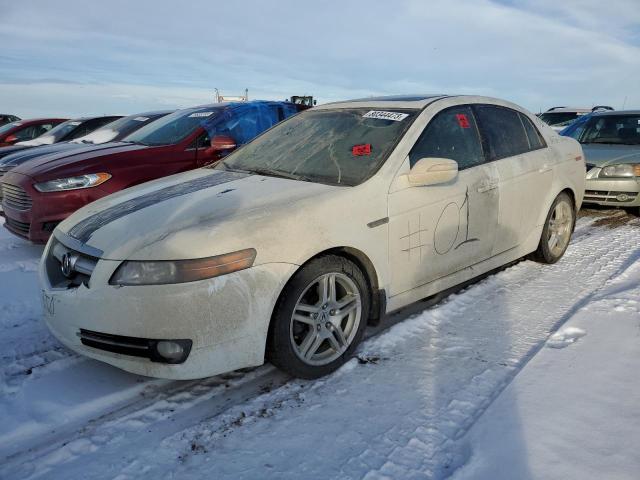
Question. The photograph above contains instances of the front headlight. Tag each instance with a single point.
(73, 183)
(622, 170)
(162, 272)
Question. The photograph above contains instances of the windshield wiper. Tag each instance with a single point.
(267, 172)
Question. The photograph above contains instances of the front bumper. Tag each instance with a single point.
(39, 213)
(227, 318)
(618, 192)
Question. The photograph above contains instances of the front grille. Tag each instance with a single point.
(15, 197)
(19, 228)
(77, 271)
(608, 196)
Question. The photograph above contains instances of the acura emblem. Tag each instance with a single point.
(67, 264)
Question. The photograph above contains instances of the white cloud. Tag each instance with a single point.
(535, 53)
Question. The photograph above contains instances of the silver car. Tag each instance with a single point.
(611, 145)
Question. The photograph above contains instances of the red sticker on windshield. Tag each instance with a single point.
(359, 150)
(463, 121)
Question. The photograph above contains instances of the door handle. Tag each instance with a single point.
(487, 186)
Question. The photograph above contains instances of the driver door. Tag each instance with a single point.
(437, 230)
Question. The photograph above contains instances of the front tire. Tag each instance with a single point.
(320, 318)
(557, 230)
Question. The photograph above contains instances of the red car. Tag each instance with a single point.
(23, 130)
(41, 192)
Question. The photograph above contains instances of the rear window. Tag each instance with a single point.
(558, 118)
(9, 126)
(503, 131)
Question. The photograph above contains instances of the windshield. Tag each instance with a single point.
(612, 129)
(173, 128)
(576, 127)
(558, 118)
(343, 147)
(54, 135)
(117, 130)
(9, 126)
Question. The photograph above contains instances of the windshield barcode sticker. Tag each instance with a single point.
(141, 119)
(379, 114)
(200, 114)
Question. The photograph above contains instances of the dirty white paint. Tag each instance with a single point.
(436, 236)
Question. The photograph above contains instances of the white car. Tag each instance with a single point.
(285, 251)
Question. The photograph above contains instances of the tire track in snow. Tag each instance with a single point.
(458, 337)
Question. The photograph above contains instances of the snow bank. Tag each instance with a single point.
(571, 413)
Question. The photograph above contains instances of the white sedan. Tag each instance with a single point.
(285, 251)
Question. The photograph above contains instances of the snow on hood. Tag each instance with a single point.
(102, 135)
(602, 154)
(191, 205)
(41, 140)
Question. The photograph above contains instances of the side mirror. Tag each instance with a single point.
(11, 139)
(432, 171)
(221, 145)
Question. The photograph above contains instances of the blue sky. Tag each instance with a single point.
(76, 57)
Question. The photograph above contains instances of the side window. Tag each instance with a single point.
(452, 134)
(27, 133)
(503, 131)
(203, 141)
(533, 135)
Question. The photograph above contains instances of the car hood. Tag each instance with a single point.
(41, 165)
(4, 151)
(195, 214)
(601, 155)
(14, 159)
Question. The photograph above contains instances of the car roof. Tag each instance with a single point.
(84, 119)
(152, 113)
(568, 109)
(605, 113)
(43, 119)
(389, 101)
(232, 104)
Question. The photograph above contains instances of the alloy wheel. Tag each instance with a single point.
(325, 319)
(560, 224)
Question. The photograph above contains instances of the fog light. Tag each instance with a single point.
(170, 351)
(623, 197)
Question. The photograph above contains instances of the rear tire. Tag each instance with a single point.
(557, 230)
(320, 318)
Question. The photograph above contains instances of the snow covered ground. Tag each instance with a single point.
(478, 386)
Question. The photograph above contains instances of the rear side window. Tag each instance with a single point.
(27, 133)
(533, 135)
(503, 131)
(452, 134)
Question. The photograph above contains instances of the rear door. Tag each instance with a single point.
(518, 151)
(437, 230)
